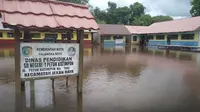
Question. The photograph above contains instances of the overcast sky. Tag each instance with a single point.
(174, 8)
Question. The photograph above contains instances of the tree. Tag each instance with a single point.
(132, 15)
(143, 20)
(84, 2)
(111, 6)
(111, 14)
(137, 9)
(161, 18)
(99, 15)
(122, 15)
(195, 10)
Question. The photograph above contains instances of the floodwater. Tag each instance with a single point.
(116, 79)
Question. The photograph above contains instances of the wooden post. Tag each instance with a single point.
(27, 38)
(54, 98)
(69, 37)
(80, 103)
(17, 60)
(80, 40)
(18, 94)
(32, 94)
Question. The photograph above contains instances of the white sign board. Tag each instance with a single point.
(39, 60)
(119, 41)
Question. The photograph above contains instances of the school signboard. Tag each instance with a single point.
(40, 60)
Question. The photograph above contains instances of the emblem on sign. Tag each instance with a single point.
(71, 51)
(27, 51)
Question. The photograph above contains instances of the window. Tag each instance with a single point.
(1, 35)
(35, 35)
(118, 37)
(107, 38)
(21, 35)
(51, 36)
(11, 35)
(160, 37)
(187, 37)
(172, 37)
(134, 38)
(150, 37)
(64, 35)
(86, 36)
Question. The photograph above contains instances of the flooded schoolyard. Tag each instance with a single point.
(116, 79)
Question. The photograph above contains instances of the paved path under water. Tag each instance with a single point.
(116, 79)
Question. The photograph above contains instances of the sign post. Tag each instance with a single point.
(80, 40)
(18, 93)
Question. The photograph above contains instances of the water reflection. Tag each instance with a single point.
(116, 78)
(7, 52)
(112, 49)
(47, 98)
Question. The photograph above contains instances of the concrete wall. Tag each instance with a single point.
(179, 41)
(6, 39)
(112, 40)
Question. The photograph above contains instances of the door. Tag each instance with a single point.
(168, 41)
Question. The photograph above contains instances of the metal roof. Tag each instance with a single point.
(46, 14)
(136, 29)
(180, 25)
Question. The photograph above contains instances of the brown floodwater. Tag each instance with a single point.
(116, 79)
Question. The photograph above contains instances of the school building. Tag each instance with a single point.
(7, 35)
(184, 32)
(113, 34)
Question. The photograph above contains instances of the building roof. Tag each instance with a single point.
(180, 25)
(136, 29)
(46, 14)
(108, 29)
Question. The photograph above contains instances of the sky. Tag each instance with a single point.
(175, 8)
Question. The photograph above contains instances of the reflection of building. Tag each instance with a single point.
(107, 49)
(88, 50)
(6, 52)
(198, 60)
(179, 55)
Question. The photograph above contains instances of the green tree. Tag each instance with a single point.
(137, 9)
(122, 15)
(161, 18)
(84, 2)
(117, 15)
(111, 13)
(143, 20)
(195, 10)
(99, 15)
(111, 6)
